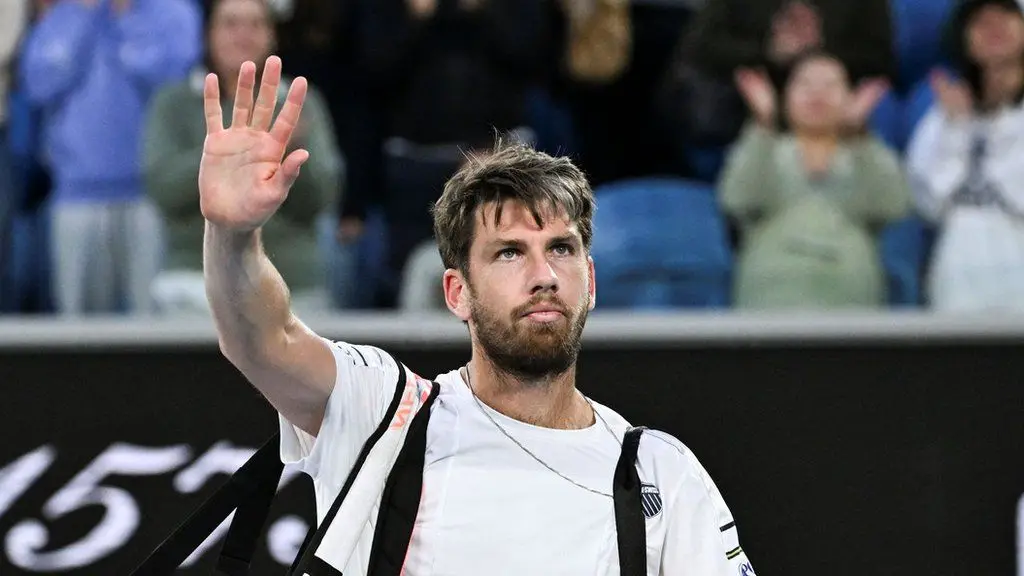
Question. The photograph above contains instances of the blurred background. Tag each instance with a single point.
(809, 247)
(750, 154)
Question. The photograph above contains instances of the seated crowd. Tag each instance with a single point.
(819, 154)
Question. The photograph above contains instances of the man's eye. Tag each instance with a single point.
(508, 253)
(562, 250)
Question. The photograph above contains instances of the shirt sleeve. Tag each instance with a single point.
(365, 386)
(702, 538)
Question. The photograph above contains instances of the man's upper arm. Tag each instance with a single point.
(296, 373)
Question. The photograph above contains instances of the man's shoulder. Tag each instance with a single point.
(661, 453)
(676, 468)
(365, 356)
(670, 459)
(362, 355)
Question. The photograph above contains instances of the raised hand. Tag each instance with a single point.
(243, 176)
(953, 95)
(759, 93)
(864, 100)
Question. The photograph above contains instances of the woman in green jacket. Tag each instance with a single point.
(237, 31)
(810, 203)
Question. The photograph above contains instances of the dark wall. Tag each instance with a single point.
(886, 459)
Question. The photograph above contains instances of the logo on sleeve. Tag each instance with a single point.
(747, 570)
(650, 499)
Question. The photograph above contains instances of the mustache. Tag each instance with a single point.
(552, 301)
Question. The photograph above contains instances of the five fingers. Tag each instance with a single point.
(260, 116)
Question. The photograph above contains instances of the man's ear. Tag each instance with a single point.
(456, 294)
(592, 282)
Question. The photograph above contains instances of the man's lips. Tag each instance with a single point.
(544, 312)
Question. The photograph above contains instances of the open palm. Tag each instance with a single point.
(243, 176)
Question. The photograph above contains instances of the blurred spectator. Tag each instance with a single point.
(965, 161)
(28, 271)
(599, 43)
(319, 39)
(450, 73)
(237, 31)
(809, 205)
(12, 21)
(421, 289)
(699, 99)
(612, 56)
(92, 65)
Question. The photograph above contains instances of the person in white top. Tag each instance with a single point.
(964, 162)
(519, 464)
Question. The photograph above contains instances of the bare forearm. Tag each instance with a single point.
(247, 295)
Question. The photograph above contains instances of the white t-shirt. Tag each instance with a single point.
(978, 260)
(490, 508)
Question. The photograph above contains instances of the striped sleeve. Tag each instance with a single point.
(701, 535)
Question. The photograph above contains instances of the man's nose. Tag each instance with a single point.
(543, 277)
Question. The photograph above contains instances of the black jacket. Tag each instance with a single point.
(457, 75)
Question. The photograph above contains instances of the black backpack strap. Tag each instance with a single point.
(306, 561)
(400, 501)
(251, 515)
(630, 526)
(249, 492)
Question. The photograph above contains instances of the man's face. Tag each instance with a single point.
(528, 293)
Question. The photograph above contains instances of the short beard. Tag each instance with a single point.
(528, 353)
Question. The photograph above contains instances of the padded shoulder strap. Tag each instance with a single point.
(306, 559)
(630, 526)
(249, 492)
(400, 502)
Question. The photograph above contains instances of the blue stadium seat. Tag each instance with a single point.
(887, 123)
(905, 248)
(660, 243)
(707, 163)
(919, 27)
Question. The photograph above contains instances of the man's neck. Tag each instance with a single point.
(549, 403)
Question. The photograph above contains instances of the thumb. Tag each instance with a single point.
(289, 170)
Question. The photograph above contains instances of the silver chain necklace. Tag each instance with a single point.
(597, 416)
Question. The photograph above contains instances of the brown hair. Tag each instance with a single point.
(511, 171)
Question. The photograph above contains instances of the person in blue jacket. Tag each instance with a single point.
(92, 66)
